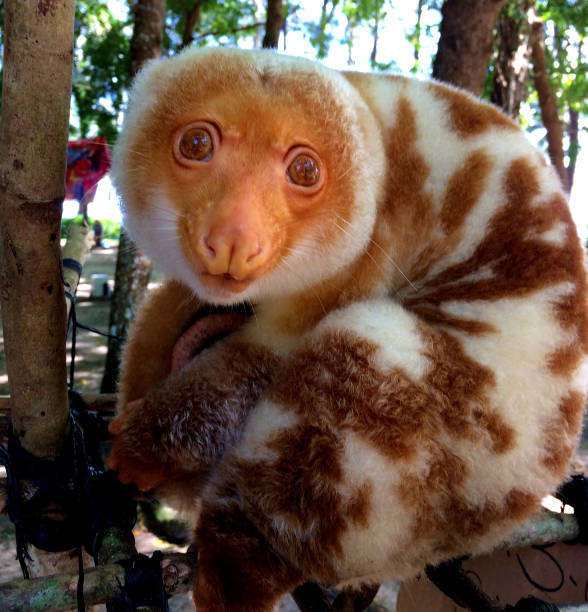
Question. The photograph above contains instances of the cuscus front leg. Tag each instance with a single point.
(161, 319)
(188, 422)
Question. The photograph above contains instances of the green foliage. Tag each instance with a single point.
(226, 21)
(370, 12)
(111, 229)
(101, 69)
(566, 33)
(565, 42)
(572, 13)
(319, 36)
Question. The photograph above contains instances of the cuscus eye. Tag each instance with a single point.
(197, 143)
(304, 169)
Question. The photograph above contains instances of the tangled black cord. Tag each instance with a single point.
(91, 501)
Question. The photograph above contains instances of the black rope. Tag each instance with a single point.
(99, 332)
(13, 503)
(143, 585)
(452, 580)
(90, 499)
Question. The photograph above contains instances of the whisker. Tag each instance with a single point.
(305, 284)
(389, 258)
(387, 255)
(187, 301)
(253, 311)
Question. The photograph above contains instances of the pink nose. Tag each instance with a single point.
(232, 251)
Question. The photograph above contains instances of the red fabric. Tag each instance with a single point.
(87, 162)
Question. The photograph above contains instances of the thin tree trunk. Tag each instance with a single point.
(573, 146)
(375, 32)
(417, 35)
(273, 24)
(325, 20)
(192, 18)
(465, 45)
(349, 36)
(36, 92)
(512, 62)
(547, 99)
(133, 269)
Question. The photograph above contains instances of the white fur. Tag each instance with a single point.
(387, 325)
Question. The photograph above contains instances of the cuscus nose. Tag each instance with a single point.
(233, 251)
(233, 241)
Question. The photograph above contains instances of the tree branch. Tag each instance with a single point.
(251, 26)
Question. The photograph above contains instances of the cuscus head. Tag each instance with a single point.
(247, 174)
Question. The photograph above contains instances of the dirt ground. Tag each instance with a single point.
(91, 353)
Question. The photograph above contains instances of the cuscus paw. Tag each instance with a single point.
(145, 475)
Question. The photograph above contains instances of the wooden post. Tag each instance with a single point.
(38, 51)
(36, 90)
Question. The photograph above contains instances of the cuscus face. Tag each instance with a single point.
(247, 175)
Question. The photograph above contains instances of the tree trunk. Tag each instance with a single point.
(322, 40)
(512, 62)
(149, 17)
(573, 146)
(547, 99)
(133, 269)
(465, 45)
(349, 37)
(192, 18)
(273, 24)
(417, 35)
(36, 92)
(375, 32)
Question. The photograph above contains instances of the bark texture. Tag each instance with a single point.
(133, 269)
(33, 142)
(547, 99)
(465, 45)
(148, 17)
(512, 62)
(273, 24)
(101, 584)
